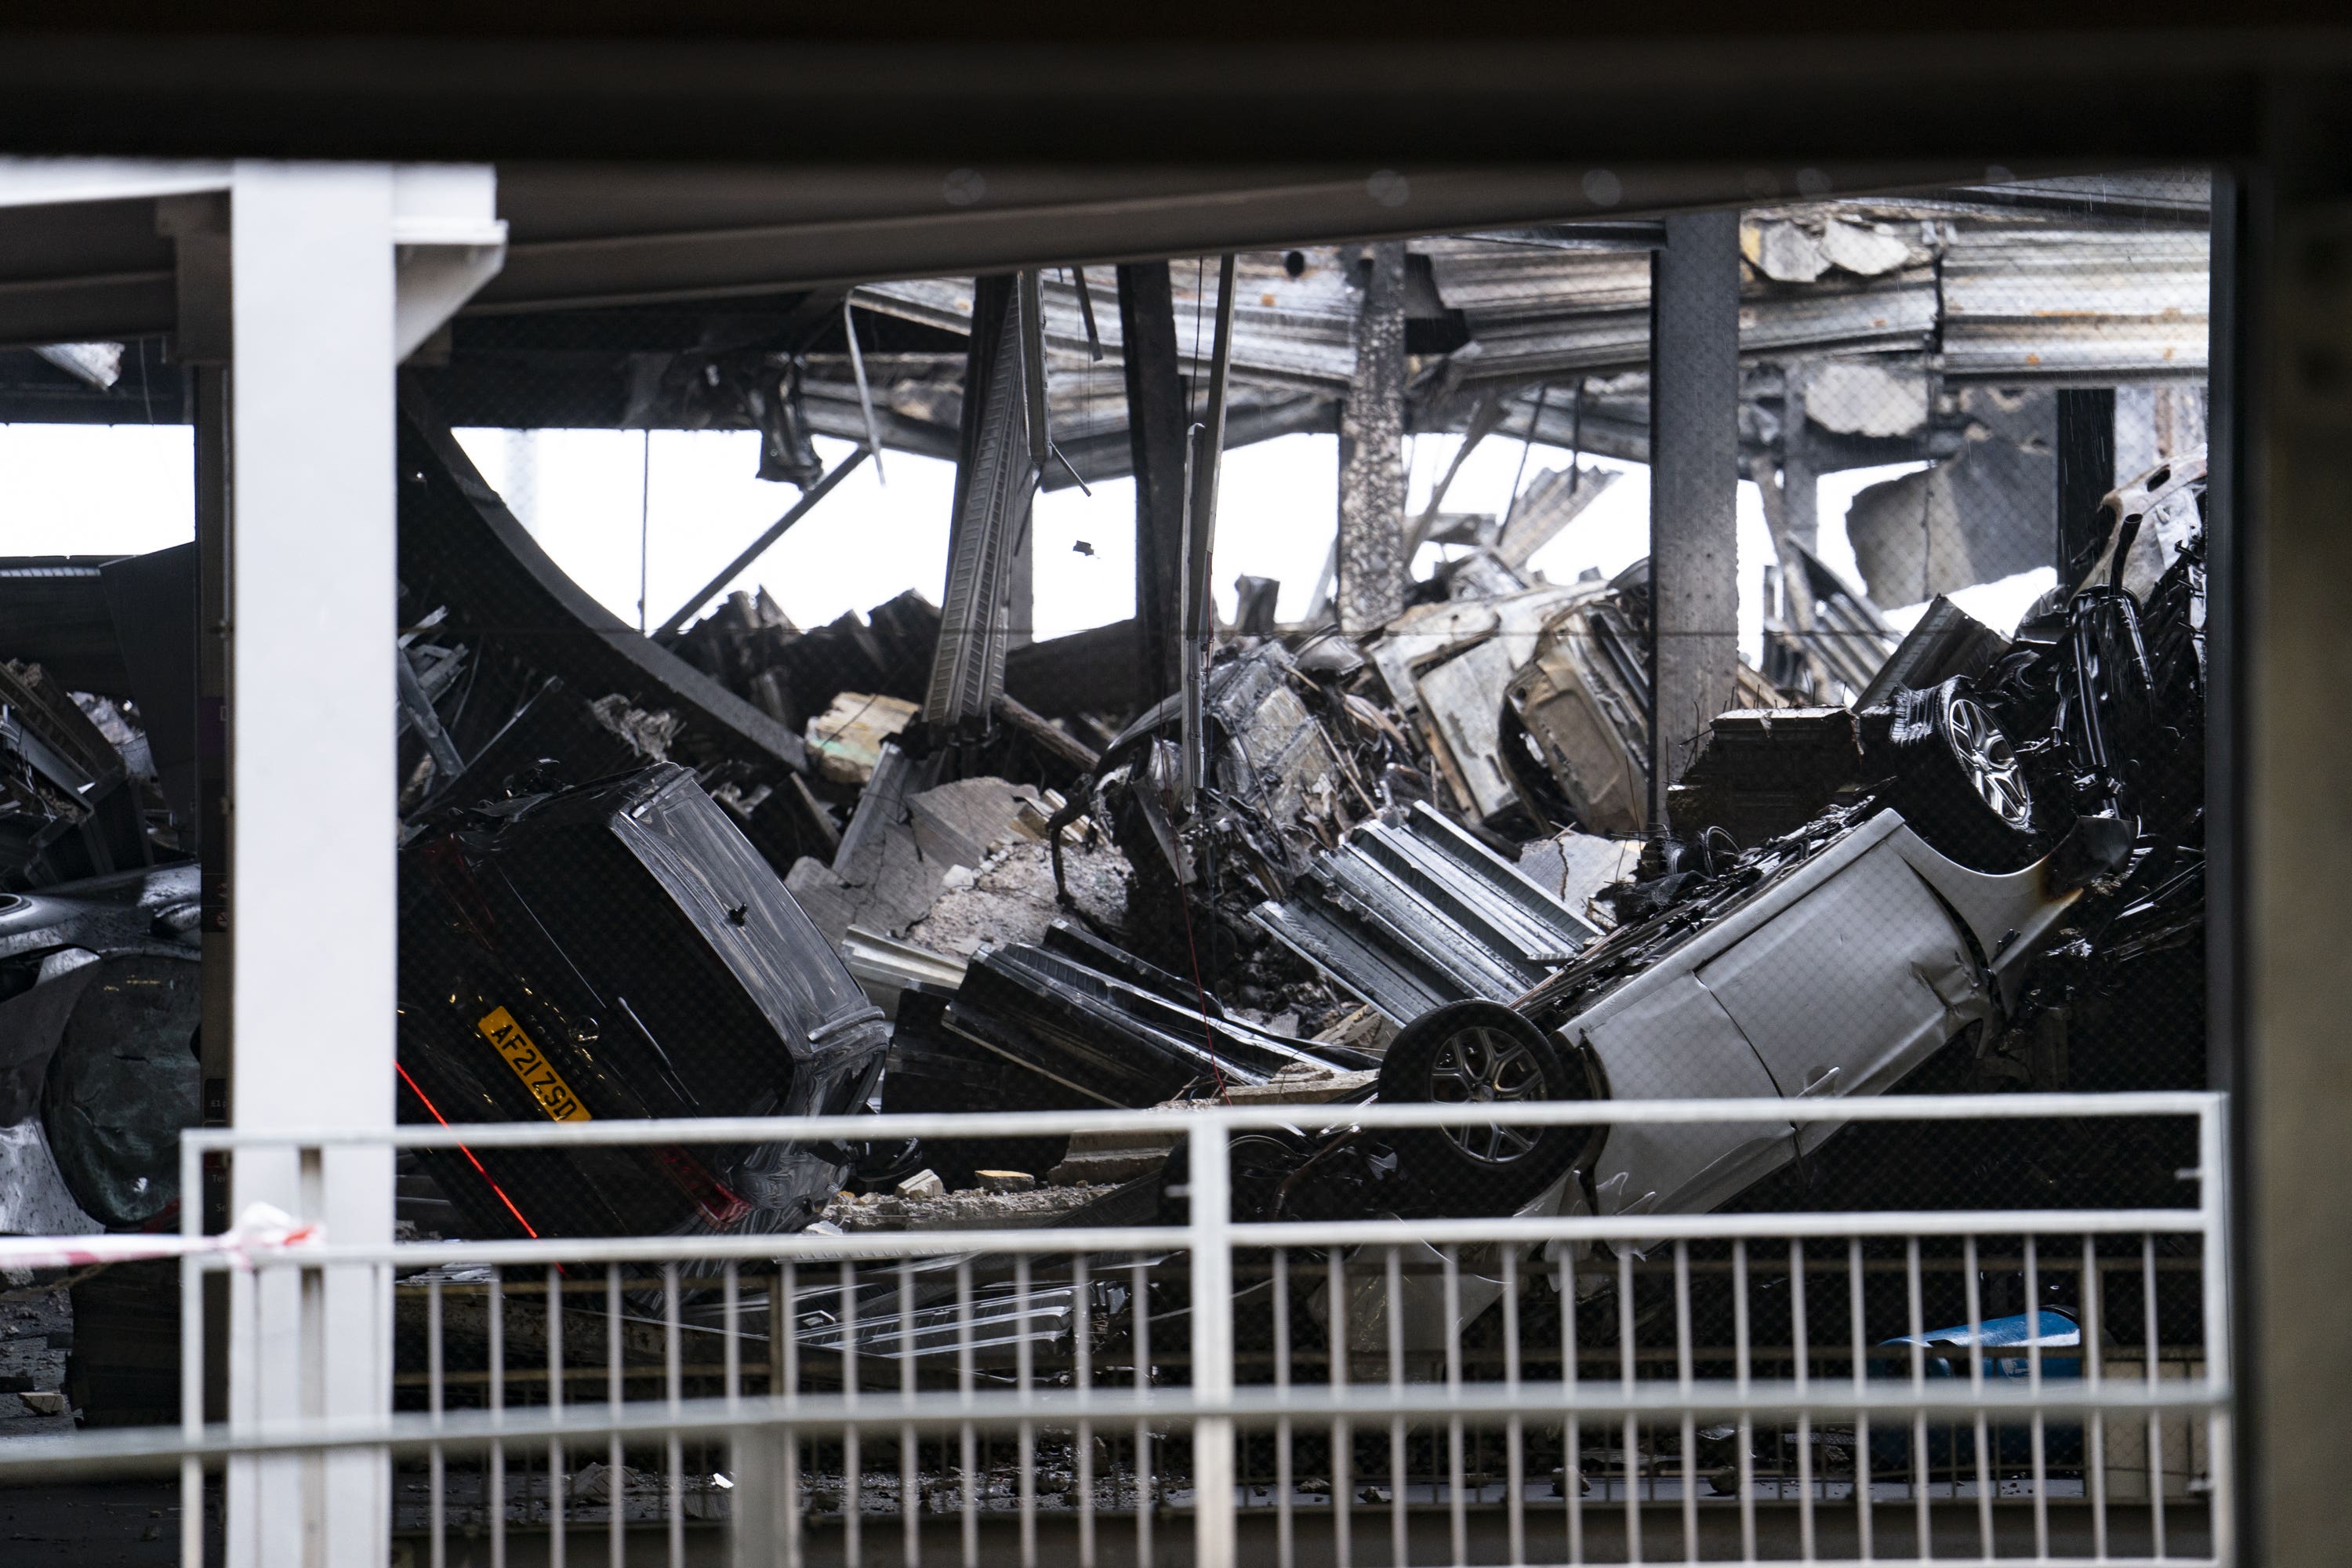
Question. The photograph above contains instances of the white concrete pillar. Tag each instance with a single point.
(311, 790)
(335, 272)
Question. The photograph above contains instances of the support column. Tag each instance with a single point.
(216, 1019)
(311, 790)
(1801, 481)
(2086, 472)
(1372, 567)
(995, 478)
(1155, 436)
(2282, 418)
(1694, 487)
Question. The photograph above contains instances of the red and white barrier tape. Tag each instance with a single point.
(259, 1229)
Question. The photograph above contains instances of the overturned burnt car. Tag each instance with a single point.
(619, 949)
(1982, 851)
(98, 1012)
(1972, 894)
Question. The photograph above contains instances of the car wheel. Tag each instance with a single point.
(1471, 1053)
(1956, 779)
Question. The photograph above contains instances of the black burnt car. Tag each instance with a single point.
(619, 950)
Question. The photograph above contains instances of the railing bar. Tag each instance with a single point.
(1236, 1118)
(2094, 1430)
(1023, 1381)
(2033, 1384)
(1855, 1309)
(1359, 1232)
(910, 1499)
(784, 1368)
(1683, 1381)
(2213, 1259)
(965, 1438)
(1920, 1501)
(1082, 1354)
(1285, 1553)
(494, 1490)
(1398, 1545)
(1515, 1460)
(1974, 1290)
(1631, 1442)
(1457, 1508)
(192, 1365)
(438, 1466)
(674, 1393)
(1571, 1473)
(615, 1491)
(2156, 1521)
(558, 1471)
(730, 1314)
(1343, 1432)
(1741, 1371)
(1138, 1312)
(853, 1468)
(1801, 1336)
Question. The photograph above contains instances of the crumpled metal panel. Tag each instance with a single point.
(1411, 912)
(1115, 1029)
(997, 476)
(1297, 329)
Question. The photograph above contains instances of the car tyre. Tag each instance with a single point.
(1470, 1052)
(1954, 779)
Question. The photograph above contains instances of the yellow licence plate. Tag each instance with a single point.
(531, 1065)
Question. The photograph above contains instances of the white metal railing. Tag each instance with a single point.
(2117, 1455)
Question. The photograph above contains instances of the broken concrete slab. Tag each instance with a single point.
(894, 861)
(844, 742)
(1573, 866)
(1009, 896)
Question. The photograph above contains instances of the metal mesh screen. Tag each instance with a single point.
(1872, 766)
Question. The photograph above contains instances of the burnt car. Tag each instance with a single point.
(2013, 839)
(619, 949)
(98, 1009)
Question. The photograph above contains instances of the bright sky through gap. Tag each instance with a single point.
(92, 490)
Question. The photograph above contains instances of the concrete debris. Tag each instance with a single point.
(1411, 852)
(1857, 397)
(901, 846)
(844, 742)
(1971, 519)
(1011, 897)
(984, 1208)
(1574, 866)
(921, 1184)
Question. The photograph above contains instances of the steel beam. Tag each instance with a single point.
(2086, 472)
(996, 477)
(1693, 487)
(1155, 430)
(1372, 565)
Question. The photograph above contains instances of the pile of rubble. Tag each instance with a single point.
(1424, 865)
(1421, 864)
(743, 873)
